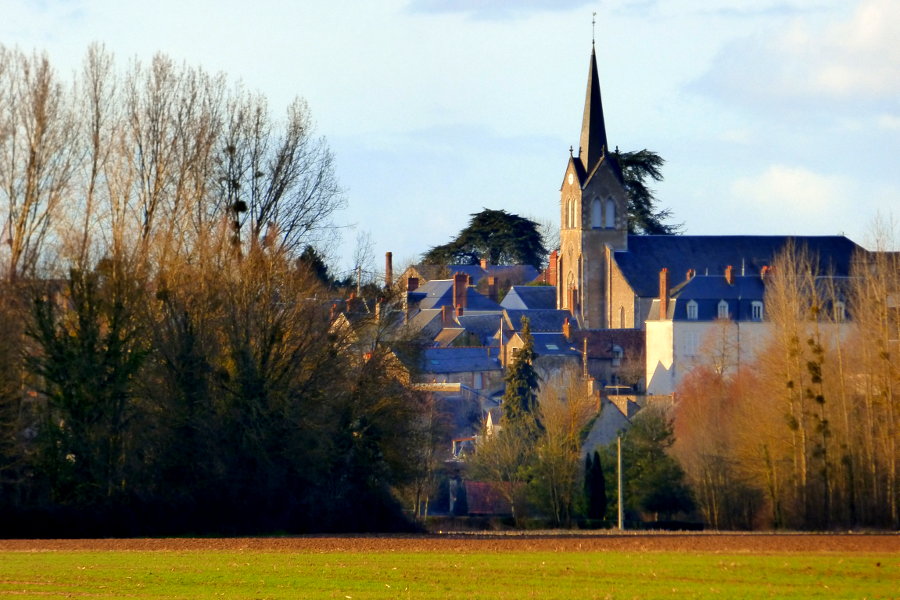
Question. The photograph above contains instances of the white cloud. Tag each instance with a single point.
(795, 199)
(851, 58)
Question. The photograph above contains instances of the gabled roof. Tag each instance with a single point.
(460, 360)
(648, 254)
(523, 297)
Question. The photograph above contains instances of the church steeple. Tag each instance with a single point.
(593, 128)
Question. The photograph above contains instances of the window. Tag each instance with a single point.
(692, 310)
(756, 310)
(477, 381)
(840, 312)
(723, 310)
(691, 343)
(617, 354)
(596, 216)
(610, 214)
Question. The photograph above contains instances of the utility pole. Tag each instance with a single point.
(619, 471)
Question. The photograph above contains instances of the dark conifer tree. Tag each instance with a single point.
(594, 487)
(522, 383)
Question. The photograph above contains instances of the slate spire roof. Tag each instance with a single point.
(593, 127)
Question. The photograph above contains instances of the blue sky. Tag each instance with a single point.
(775, 117)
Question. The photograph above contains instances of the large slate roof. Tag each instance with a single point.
(648, 254)
(523, 297)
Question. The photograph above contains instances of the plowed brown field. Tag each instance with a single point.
(635, 542)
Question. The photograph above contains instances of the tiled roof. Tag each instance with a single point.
(523, 297)
(648, 254)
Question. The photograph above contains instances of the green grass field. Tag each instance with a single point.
(433, 574)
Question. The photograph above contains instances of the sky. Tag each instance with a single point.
(774, 117)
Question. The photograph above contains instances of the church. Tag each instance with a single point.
(673, 287)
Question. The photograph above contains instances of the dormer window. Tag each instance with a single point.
(723, 310)
(692, 310)
(756, 310)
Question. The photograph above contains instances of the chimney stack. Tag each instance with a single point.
(729, 275)
(663, 294)
(690, 274)
(388, 269)
(460, 285)
(412, 284)
(764, 272)
(484, 263)
(493, 293)
(567, 328)
(459, 311)
(552, 268)
(446, 315)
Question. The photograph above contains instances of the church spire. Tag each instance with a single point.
(593, 128)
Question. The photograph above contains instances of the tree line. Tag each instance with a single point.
(168, 363)
(805, 434)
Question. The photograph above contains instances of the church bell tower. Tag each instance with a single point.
(593, 218)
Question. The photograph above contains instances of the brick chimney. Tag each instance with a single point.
(412, 284)
(388, 269)
(493, 292)
(764, 272)
(663, 294)
(446, 315)
(459, 311)
(460, 285)
(552, 268)
(567, 328)
(484, 263)
(729, 275)
(690, 274)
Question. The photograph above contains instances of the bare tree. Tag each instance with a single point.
(37, 156)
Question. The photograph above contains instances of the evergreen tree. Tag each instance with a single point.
(522, 383)
(500, 237)
(594, 487)
(643, 215)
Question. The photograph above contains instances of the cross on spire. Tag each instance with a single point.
(593, 27)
